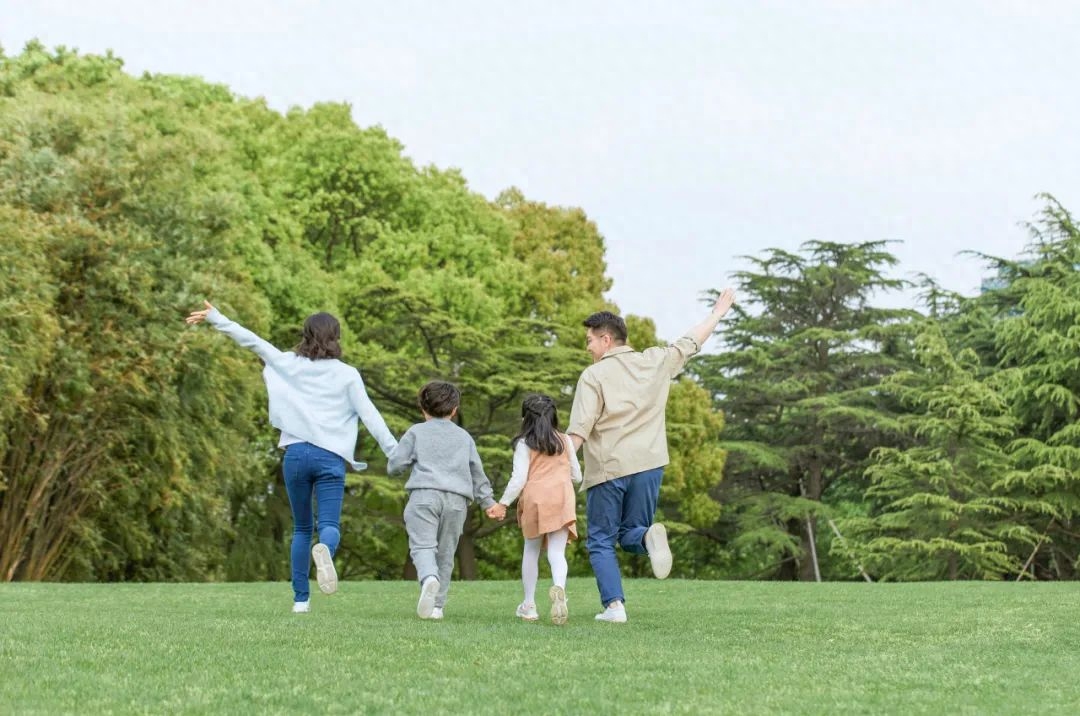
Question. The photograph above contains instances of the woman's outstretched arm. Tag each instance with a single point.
(234, 330)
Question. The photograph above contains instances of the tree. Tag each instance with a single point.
(133, 449)
(940, 515)
(795, 383)
(1036, 341)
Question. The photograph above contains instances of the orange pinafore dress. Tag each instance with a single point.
(547, 502)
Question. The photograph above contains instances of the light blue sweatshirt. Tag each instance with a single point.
(314, 401)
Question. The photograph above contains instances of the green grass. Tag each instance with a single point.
(689, 647)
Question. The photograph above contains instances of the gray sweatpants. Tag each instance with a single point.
(434, 520)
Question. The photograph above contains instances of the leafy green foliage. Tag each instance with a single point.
(939, 515)
(1036, 343)
(804, 351)
(132, 448)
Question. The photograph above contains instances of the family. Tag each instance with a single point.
(617, 414)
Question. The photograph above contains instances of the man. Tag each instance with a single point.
(618, 414)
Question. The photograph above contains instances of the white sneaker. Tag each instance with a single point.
(615, 613)
(559, 613)
(324, 568)
(301, 607)
(528, 612)
(436, 613)
(659, 552)
(426, 605)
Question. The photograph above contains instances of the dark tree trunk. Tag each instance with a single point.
(789, 570)
(408, 570)
(466, 554)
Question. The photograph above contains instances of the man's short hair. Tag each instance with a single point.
(439, 398)
(607, 322)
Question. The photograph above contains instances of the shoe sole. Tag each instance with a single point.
(426, 605)
(600, 618)
(559, 613)
(659, 553)
(325, 572)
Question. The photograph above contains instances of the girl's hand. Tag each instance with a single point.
(199, 316)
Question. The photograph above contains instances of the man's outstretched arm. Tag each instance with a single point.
(701, 332)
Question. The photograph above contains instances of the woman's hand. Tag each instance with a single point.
(199, 316)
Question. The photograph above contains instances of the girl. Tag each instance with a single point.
(544, 466)
(315, 401)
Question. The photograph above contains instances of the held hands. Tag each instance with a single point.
(199, 316)
(496, 511)
(723, 302)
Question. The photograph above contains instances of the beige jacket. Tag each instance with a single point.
(619, 409)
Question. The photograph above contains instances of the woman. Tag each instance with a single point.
(315, 401)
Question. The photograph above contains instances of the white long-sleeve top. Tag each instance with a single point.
(519, 473)
(314, 401)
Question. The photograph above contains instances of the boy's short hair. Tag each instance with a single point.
(607, 322)
(439, 398)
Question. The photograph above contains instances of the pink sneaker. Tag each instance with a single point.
(528, 612)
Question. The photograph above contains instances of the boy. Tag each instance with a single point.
(446, 476)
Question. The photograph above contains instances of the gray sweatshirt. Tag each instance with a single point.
(443, 457)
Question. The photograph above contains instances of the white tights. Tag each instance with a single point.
(530, 561)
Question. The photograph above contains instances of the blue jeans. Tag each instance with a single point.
(619, 511)
(311, 472)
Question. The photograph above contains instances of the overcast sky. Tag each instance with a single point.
(691, 132)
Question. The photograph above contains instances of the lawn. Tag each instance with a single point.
(689, 647)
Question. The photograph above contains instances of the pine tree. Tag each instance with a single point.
(1037, 345)
(939, 515)
(802, 353)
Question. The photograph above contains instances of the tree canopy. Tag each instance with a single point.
(827, 434)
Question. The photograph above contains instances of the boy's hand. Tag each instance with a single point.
(496, 511)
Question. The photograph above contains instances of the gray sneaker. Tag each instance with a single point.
(428, 591)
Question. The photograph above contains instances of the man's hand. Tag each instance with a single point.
(701, 332)
(199, 316)
(724, 302)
